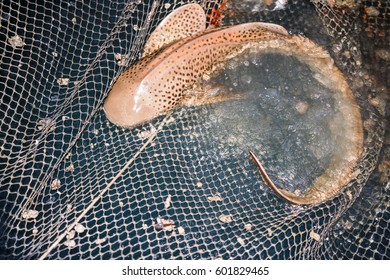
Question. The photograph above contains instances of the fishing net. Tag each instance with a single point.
(75, 186)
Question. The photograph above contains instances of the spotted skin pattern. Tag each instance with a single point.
(182, 23)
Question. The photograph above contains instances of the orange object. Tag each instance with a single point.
(216, 13)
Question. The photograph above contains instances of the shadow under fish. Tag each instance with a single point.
(181, 51)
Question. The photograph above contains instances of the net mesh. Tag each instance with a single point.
(74, 186)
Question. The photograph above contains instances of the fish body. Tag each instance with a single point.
(181, 50)
(158, 82)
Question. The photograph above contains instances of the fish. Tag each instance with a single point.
(173, 63)
(181, 50)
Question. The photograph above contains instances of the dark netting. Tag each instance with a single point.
(75, 186)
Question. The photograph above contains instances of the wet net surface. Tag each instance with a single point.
(59, 155)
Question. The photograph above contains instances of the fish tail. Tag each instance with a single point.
(287, 195)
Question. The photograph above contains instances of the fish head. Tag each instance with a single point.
(134, 99)
(129, 103)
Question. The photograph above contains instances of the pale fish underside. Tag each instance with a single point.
(180, 51)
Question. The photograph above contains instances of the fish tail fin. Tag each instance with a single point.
(285, 194)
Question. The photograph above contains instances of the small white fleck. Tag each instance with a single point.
(315, 236)
(248, 226)
(100, 241)
(280, 5)
(225, 218)
(70, 244)
(63, 81)
(241, 241)
(70, 168)
(168, 201)
(147, 133)
(181, 230)
(29, 214)
(16, 41)
(167, 5)
(121, 59)
(349, 194)
(79, 228)
(302, 107)
(46, 122)
(297, 192)
(214, 198)
(71, 234)
(56, 184)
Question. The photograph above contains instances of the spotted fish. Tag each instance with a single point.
(177, 54)
(181, 50)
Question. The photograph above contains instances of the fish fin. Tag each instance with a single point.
(183, 22)
(285, 194)
(276, 28)
(202, 96)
